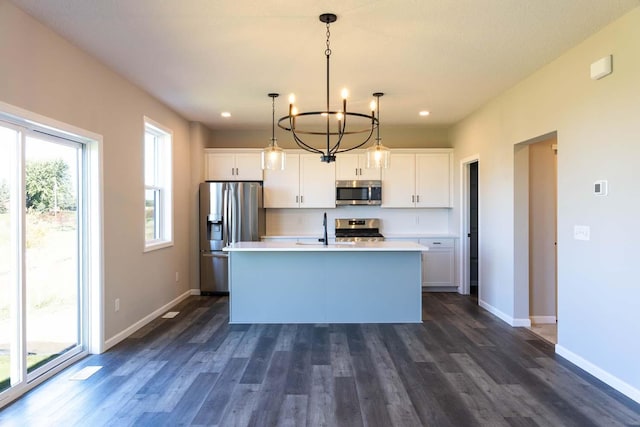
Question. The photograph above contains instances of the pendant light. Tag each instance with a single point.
(273, 157)
(378, 155)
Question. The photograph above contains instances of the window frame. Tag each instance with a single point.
(162, 185)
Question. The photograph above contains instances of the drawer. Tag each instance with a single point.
(438, 243)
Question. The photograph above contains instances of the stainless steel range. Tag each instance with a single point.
(358, 230)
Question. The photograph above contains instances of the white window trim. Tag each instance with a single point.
(166, 217)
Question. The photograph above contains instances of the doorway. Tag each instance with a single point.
(473, 229)
(470, 217)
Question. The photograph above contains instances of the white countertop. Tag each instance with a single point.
(318, 247)
(386, 235)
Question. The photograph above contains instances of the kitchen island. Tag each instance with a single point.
(288, 282)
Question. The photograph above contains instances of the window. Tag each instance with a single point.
(158, 206)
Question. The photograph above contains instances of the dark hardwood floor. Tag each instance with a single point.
(461, 367)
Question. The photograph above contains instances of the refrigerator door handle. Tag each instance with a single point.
(225, 216)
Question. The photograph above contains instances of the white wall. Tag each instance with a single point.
(598, 134)
(45, 74)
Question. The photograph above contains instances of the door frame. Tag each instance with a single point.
(465, 227)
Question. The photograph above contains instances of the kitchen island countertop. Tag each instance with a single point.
(332, 246)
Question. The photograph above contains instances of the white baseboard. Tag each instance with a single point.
(147, 319)
(518, 323)
(604, 376)
(539, 320)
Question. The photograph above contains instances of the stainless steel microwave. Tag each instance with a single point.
(358, 193)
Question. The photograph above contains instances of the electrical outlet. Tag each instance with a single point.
(177, 276)
(117, 304)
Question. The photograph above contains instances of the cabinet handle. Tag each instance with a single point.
(418, 199)
(296, 199)
(437, 243)
(413, 198)
(356, 171)
(301, 199)
(360, 171)
(237, 173)
(233, 171)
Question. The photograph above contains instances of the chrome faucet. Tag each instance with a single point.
(325, 240)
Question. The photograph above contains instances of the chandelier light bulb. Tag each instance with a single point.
(292, 98)
(339, 116)
(294, 111)
(344, 93)
(373, 106)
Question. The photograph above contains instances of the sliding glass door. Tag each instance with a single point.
(41, 245)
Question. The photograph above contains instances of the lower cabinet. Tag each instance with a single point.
(438, 263)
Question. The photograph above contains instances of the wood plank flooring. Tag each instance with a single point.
(461, 367)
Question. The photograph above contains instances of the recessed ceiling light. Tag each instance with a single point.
(424, 113)
(225, 114)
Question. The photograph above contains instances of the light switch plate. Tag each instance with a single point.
(581, 232)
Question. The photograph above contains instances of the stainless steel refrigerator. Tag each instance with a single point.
(229, 212)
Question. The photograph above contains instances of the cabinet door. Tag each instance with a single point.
(248, 167)
(438, 263)
(367, 174)
(281, 188)
(433, 180)
(317, 182)
(398, 182)
(347, 167)
(220, 167)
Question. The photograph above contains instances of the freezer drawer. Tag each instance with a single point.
(214, 276)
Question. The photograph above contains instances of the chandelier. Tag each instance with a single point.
(333, 124)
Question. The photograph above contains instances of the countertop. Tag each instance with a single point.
(319, 247)
(386, 235)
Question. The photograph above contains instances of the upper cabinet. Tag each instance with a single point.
(418, 179)
(236, 165)
(306, 182)
(353, 166)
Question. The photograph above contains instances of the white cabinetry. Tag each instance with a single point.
(306, 182)
(438, 263)
(353, 166)
(418, 179)
(225, 165)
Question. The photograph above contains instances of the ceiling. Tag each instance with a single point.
(203, 57)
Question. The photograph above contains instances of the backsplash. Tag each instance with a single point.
(300, 222)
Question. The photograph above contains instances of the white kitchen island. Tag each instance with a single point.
(288, 282)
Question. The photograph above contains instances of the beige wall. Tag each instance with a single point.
(43, 73)
(598, 138)
(394, 137)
